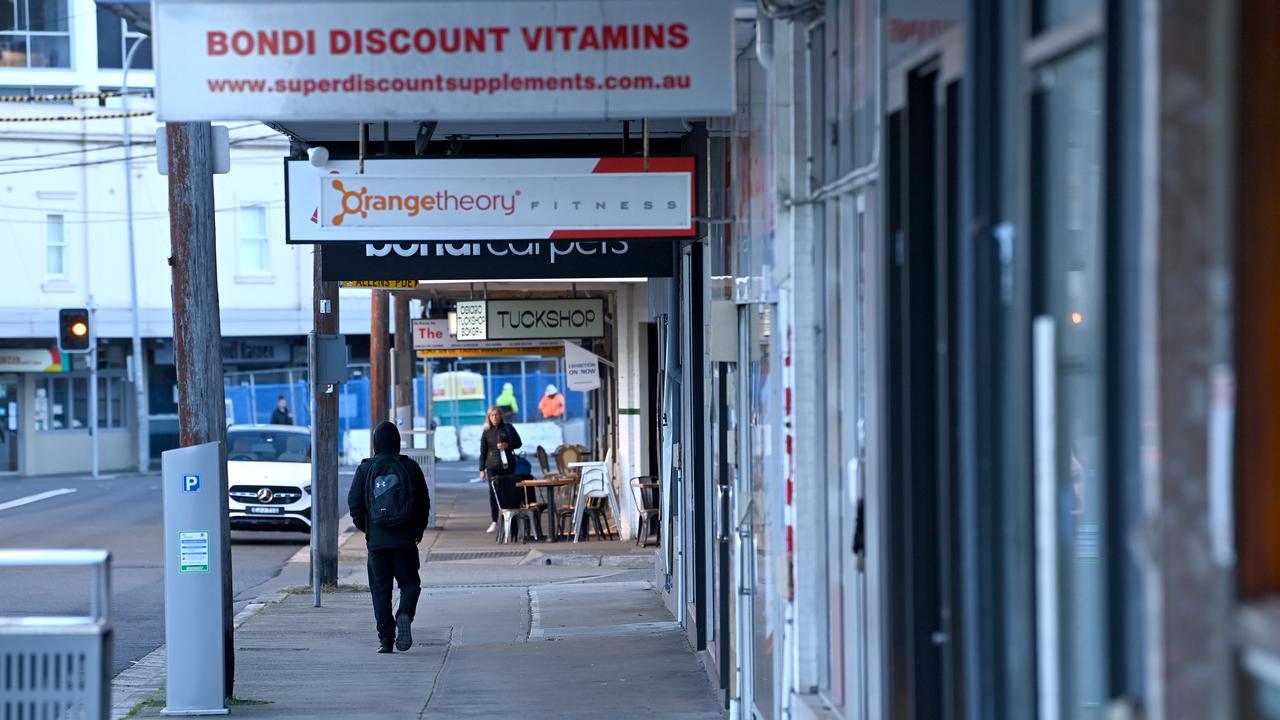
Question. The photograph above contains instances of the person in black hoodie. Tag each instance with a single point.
(498, 443)
(393, 551)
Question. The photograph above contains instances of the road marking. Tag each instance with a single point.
(35, 498)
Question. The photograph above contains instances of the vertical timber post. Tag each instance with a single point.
(324, 424)
(197, 333)
(379, 360)
(403, 395)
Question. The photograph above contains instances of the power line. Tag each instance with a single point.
(100, 147)
(138, 217)
(57, 98)
(109, 161)
(75, 118)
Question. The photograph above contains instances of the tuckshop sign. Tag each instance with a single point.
(416, 200)
(289, 60)
(550, 319)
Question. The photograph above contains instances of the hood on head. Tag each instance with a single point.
(386, 439)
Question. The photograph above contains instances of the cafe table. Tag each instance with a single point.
(550, 486)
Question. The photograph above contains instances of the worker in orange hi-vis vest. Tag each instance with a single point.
(552, 404)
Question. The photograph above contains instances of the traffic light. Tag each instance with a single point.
(73, 330)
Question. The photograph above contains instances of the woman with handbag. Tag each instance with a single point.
(498, 443)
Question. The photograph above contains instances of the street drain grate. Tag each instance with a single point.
(481, 555)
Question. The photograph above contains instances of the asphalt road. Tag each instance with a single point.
(123, 515)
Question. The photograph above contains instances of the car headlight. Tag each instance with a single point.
(306, 489)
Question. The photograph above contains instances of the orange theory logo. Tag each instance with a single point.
(346, 207)
(361, 202)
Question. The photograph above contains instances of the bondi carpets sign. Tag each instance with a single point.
(497, 260)
(288, 60)
(490, 199)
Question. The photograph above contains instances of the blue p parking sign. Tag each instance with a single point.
(190, 483)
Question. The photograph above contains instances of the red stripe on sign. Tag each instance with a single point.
(636, 164)
(791, 540)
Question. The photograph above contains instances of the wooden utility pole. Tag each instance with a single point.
(403, 395)
(197, 332)
(325, 502)
(379, 360)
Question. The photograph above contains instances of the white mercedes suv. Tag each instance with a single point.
(269, 474)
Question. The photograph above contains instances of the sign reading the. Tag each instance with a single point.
(446, 60)
(496, 260)
(490, 199)
(581, 367)
(193, 552)
(379, 284)
(546, 319)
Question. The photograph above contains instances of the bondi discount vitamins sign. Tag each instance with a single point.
(284, 60)
(413, 200)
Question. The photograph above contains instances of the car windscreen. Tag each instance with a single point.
(268, 446)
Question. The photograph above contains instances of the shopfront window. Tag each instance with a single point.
(62, 403)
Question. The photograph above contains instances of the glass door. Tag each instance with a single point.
(9, 425)
(1066, 127)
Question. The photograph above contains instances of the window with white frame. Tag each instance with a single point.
(55, 246)
(35, 34)
(254, 258)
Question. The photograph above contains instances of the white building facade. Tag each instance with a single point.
(64, 242)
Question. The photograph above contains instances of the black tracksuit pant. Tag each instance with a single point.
(401, 565)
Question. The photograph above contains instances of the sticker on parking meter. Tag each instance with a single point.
(193, 552)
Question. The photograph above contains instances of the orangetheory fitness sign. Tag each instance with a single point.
(490, 199)
(445, 60)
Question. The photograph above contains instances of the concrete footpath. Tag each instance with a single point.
(530, 631)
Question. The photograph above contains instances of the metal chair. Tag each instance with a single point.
(646, 506)
(509, 516)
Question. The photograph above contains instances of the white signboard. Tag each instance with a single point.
(445, 60)
(471, 320)
(546, 319)
(490, 199)
(582, 368)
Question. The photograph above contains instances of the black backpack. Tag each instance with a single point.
(390, 494)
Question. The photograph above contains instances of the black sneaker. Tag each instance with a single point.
(404, 638)
(384, 647)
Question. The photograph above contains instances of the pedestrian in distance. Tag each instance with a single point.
(281, 415)
(552, 404)
(390, 505)
(507, 401)
(498, 443)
